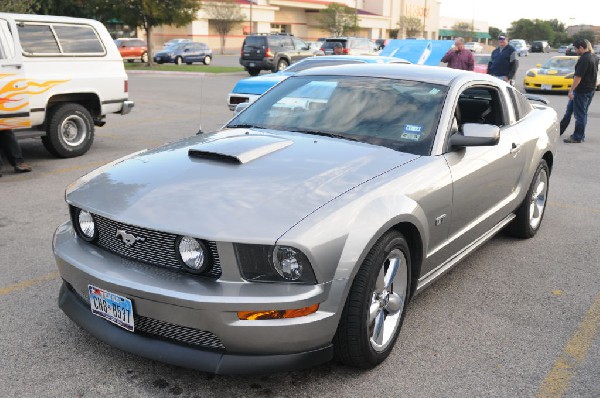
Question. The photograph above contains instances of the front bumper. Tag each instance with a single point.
(180, 355)
(191, 304)
(263, 64)
(558, 83)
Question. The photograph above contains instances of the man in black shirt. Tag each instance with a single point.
(581, 92)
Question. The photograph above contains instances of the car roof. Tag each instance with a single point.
(422, 73)
(366, 58)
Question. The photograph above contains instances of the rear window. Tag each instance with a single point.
(59, 39)
(330, 44)
(255, 41)
(316, 63)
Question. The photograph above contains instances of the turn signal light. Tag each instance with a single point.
(277, 314)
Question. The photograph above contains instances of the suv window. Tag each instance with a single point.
(37, 39)
(45, 39)
(255, 41)
(287, 42)
(78, 39)
(298, 43)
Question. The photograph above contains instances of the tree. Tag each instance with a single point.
(148, 14)
(464, 30)
(412, 26)
(338, 19)
(18, 6)
(494, 32)
(532, 30)
(223, 15)
(585, 35)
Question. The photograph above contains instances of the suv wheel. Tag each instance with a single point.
(70, 131)
(178, 60)
(253, 71)
(145, 57)
(281, 65)
(207, 60)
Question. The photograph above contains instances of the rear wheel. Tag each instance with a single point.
(207, 60)
(178, 60)
(144, 57)
(376, 304)
(70, 131)
(281, 65)
(531, 211)
(253, 71)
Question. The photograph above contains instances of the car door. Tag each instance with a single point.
(485, 178)
(301, 50)
(14, 96)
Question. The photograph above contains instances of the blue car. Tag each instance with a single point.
(248, 90)
(187, 52)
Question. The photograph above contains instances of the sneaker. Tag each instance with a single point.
(22, 168)
(570, 140)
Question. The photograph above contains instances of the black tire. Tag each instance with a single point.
(531, 211)
(281, 65)
(207, 60)
(178, 61)
(188, 63)
(70, 131)
(253, 71)
(355, 339)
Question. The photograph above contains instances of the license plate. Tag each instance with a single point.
(112, 307)
(252, 64)
(546, 86)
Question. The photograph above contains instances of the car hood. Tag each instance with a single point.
(237, 184)
(259, 84)
(552, 71)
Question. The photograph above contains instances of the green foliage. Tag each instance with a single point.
(586, 35)
(413, 26)
(338, 19)
(18, 6)
(552, 30)
(494, 32)
(69, 8)
(464, 30)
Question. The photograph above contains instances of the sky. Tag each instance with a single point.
(500, 14)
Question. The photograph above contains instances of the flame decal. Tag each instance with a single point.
(14, 123)
(14, 94)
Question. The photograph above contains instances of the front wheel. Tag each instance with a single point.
(531, 211)
(144, 58)
(207, 60)
(178, 61)
(375, 306)
(70, 131)
(281, 65)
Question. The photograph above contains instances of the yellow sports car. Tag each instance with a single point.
(555, 75)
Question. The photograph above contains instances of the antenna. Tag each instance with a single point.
(201, 101)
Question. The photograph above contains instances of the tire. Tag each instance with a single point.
(70, 131)
(178, 61)
(144, 57)
(207, 60)
(373, 305)
(188, 63)
(253, 71)
(531, 211)
(281, 65)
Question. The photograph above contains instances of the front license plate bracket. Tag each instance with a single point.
(112, 307)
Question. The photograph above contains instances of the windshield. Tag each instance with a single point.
(557, 63)
(398, 114)
(314, 63)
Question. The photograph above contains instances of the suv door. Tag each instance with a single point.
(14, 102)
(302, 50)
(254, 48)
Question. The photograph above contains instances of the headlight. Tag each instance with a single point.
(262, 263)
(192, 253)
(84, 224)
(570, 76)
(530, 73)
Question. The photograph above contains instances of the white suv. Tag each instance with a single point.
(473, 46)
(59, 77)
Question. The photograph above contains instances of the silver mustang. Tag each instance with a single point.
(300, 231)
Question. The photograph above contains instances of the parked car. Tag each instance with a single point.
(249, 89)
(571, 50)
(60, 77)
(555, 75)
(520, 47)
(540, 46)
(562, 49)
(302, 230)
(473, 46)
(350, 45)
(481, 62)
(380, 43)
(132, 49)
(186, 52)
(176, 41)
(272, 52)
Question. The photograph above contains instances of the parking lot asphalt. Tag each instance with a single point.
(518, 318)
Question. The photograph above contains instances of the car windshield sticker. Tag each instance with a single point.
(412, 132)
(434, 91)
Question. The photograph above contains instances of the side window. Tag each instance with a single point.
(287, 42)
(7, 44)
(298, 43)
(77, 39)
(480, 104)
(275, 41)
(37, 39)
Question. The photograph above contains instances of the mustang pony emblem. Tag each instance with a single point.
(128, 239)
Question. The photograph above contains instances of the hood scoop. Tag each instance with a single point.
(239, 149)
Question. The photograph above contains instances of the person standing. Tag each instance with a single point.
(11, 149)
(458, 57)
(338, 49)
(581, 92)
(503, 63)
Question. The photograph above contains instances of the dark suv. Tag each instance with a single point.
(540, 46)
(272, 52)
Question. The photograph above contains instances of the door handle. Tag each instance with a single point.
(18, 66)
(515, 148)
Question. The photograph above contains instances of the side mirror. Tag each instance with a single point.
(476, 135)
(241, 107)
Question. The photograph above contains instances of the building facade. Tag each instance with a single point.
(376, 19)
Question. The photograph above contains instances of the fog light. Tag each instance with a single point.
(288, 262)
(87, 226)
(192, 253)
(277, 314)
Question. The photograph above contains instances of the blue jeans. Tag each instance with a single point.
(579, 106)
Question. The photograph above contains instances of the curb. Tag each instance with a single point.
(175, 73)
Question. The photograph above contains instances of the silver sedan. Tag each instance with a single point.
(301, 230)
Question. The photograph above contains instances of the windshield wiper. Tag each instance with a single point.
(325, 134)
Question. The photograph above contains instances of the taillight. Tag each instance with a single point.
(126, 86)
(268, 53)
(345, 51)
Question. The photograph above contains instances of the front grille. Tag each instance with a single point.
(166, 330)
(152, 247)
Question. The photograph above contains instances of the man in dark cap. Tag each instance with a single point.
(503, 63)
(338, 49)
